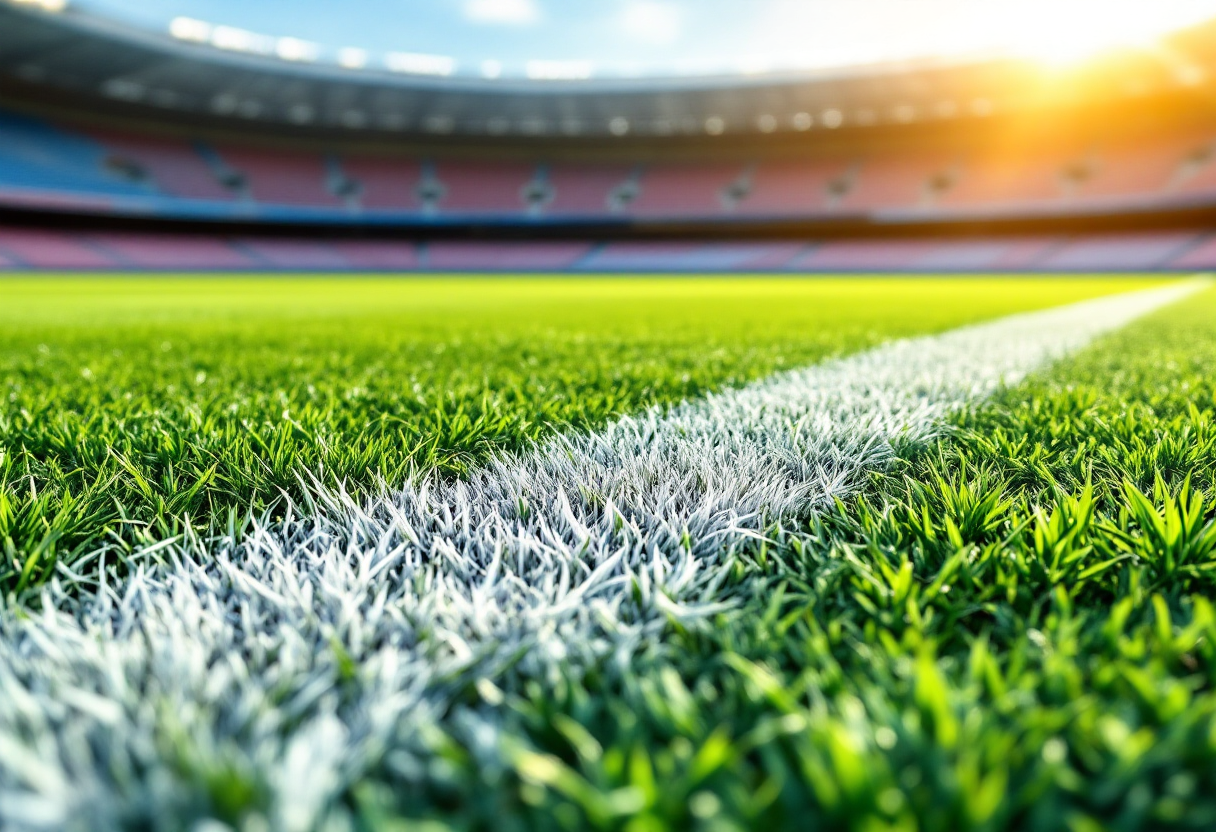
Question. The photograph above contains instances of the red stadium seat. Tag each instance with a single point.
(486, 188)
(52, 250)
(282, 177)
(173, 251)
(174, 166)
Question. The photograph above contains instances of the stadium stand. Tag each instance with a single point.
(859, 255)
(802, 188)
(170, 251)
(128, 251)
(911, 181)
(278, 177)
(172, 166)
(462, 256)
(51, 250)
(689, 190)
(948, 171)
(1122, 252)
(1201, 255)
(304, 255)
(34, 154)
(371, 255)
(42, 164)
(591, 191)
(1007, 179)
(1138, 170)
(483, 188)
(385, 184)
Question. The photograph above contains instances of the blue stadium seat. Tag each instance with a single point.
(34, 154)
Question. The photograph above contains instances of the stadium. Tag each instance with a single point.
(644, 415)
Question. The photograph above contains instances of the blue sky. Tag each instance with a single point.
(625, 37)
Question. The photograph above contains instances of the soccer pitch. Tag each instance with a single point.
(615, 553)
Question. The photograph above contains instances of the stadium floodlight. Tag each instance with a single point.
(225, 103)
(45, 5)
(767, 123)
(241, 40)
(417, 63)
(802, 122)
(715, 125)
(352, 58)
(559, 70)
(300, 113)
(123, 89)
(294, 49)
(832, 118)
(189, 29)
(439, 124)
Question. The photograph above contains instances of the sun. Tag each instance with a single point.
(1068, 32)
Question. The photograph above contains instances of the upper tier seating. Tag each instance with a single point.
(470, 188)
(590, 191)
(174, 166)
(700, 190)
(385, 184)
(791, 189)
(36, 155)
(909, 182)
(282, 177)
(104, 171)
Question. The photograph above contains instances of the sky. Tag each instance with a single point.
(571, 38)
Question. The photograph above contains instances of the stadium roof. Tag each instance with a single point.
(517, 67)
(575, 39)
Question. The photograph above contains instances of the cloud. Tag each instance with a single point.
(651, 21)
(502, 12)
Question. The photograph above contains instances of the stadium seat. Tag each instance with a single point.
(282, 177)
(864, 255)
(794, 188)
(173, 166)
(297, 254)
(52, 250)
(385, 184)
(483, 188)
(691, 257)
(589, 191)
(693, 190)
(34, 154)
(460, 256)
(378, 256)
(1119, 252)
(172, 251)
(912, 181)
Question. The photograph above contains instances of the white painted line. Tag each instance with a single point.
(317, 649)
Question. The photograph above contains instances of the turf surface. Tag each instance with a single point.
(1013, 630)
(132, 406)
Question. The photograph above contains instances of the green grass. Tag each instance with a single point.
(132, 406)
(1013, 630)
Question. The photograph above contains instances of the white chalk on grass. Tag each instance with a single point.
(315, 651)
